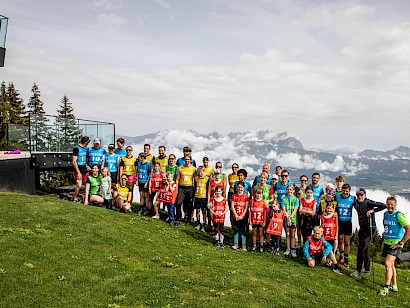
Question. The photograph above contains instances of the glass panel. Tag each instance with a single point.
(3, 30)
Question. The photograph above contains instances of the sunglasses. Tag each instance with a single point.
(124, 179)
(234, 167)
(128, 150)
(284, 175)
(303, 180)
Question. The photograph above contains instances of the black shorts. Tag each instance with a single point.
(331, 242)
(201, 203)
(317, 256)
(387, 250)
(142, 188)
(256, 226)
(345, 227)
(114, 177)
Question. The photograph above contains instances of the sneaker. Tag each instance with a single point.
(155, 217)
(166, 220)
(244, 248)
(198, 227)
(141, 211)
(254, 249)
(384, 291)
(129, 210)
(202, 229)
(276, 253)
(298, 246)
(338, 271)
(394, 288)
(366, 272)
(287, 252)
(221, 246)
(329, 262)
(217, 244)
(294, 255)
(261, 249)
(345, 263)
(235, 247)
(146, 213)
(176, 223)
(341, 261)
(355, 275)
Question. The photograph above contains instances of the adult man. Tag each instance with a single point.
(281, 186)
(396, 233)
(365, 211)
(318, 191)
(218, 165)
(185, 184)
(112, 161)
(344, 208)
(96, 154)
(80, 164)
(120, 150)
(187, 151)
(266, 169)
(148, 156)
(162, 158)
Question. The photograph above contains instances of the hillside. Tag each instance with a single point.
(62, 254)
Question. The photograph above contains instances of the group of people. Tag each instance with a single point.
(319, 218)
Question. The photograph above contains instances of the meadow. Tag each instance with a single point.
(57, 253)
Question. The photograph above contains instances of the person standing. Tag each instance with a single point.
(185, 184)
(365, 211)
(162, 158)
(396, 234)
(187, 152)
(80, 163)
(120, 149)
(96, 154)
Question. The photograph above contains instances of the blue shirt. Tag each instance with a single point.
(393, 231)
(144, 170)
(247, 189)
(280, 191)
(111, 162)
(181, 162)
(345, 207)
(317, 193)
(95, 157)
(81, 153)
(120, 153)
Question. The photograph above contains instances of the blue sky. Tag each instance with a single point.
(332, 73)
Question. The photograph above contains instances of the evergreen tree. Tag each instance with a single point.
(4, 115)
(18, 134)
(38, 121)
(68, 129)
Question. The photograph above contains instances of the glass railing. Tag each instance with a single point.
(46, 133)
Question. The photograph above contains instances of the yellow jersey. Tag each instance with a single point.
(232, 178)
(186, 175)
(129, 165)
(201, 185)
(163, 162)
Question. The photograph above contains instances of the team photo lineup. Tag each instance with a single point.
(316, 221)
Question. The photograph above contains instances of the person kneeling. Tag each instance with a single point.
(317, 248)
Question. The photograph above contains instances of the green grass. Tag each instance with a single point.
(57, 253)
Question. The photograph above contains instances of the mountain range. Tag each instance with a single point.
(386, 170)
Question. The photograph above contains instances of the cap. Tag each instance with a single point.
(330, 186)
(111, 146)
(275, 177)
(331, 192)
(186, 149)
(97, 140)
(205, 158)
(360, 191)
(217, 170)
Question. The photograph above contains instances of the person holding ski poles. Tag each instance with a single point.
(365, 211)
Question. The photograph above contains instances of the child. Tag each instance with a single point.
(275, 226)
(200, 204)
(106, 187)
(328, 221)
(317, 248)
(328, 198)
(143, 171)
(307, 211)
(214, 182)
(218, 208)
(258, 218)
(169, 196)
(239, 208)
(153, 187)
(290, 204)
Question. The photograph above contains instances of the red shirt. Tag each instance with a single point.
(213, 186)
(239, 203)
(308, 206)
(276, 223)
(329, 225)
(156, 179)
(315, 246)
(258, 212)
(218, 207)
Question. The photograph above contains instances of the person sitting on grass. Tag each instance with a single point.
(122, 195)
(316, 248)
(92, 187)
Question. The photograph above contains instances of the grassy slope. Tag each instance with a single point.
(58, 253)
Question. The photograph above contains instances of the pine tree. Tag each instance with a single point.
(38, 121)
(4, 115)
(68, 129)
(18, 134)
